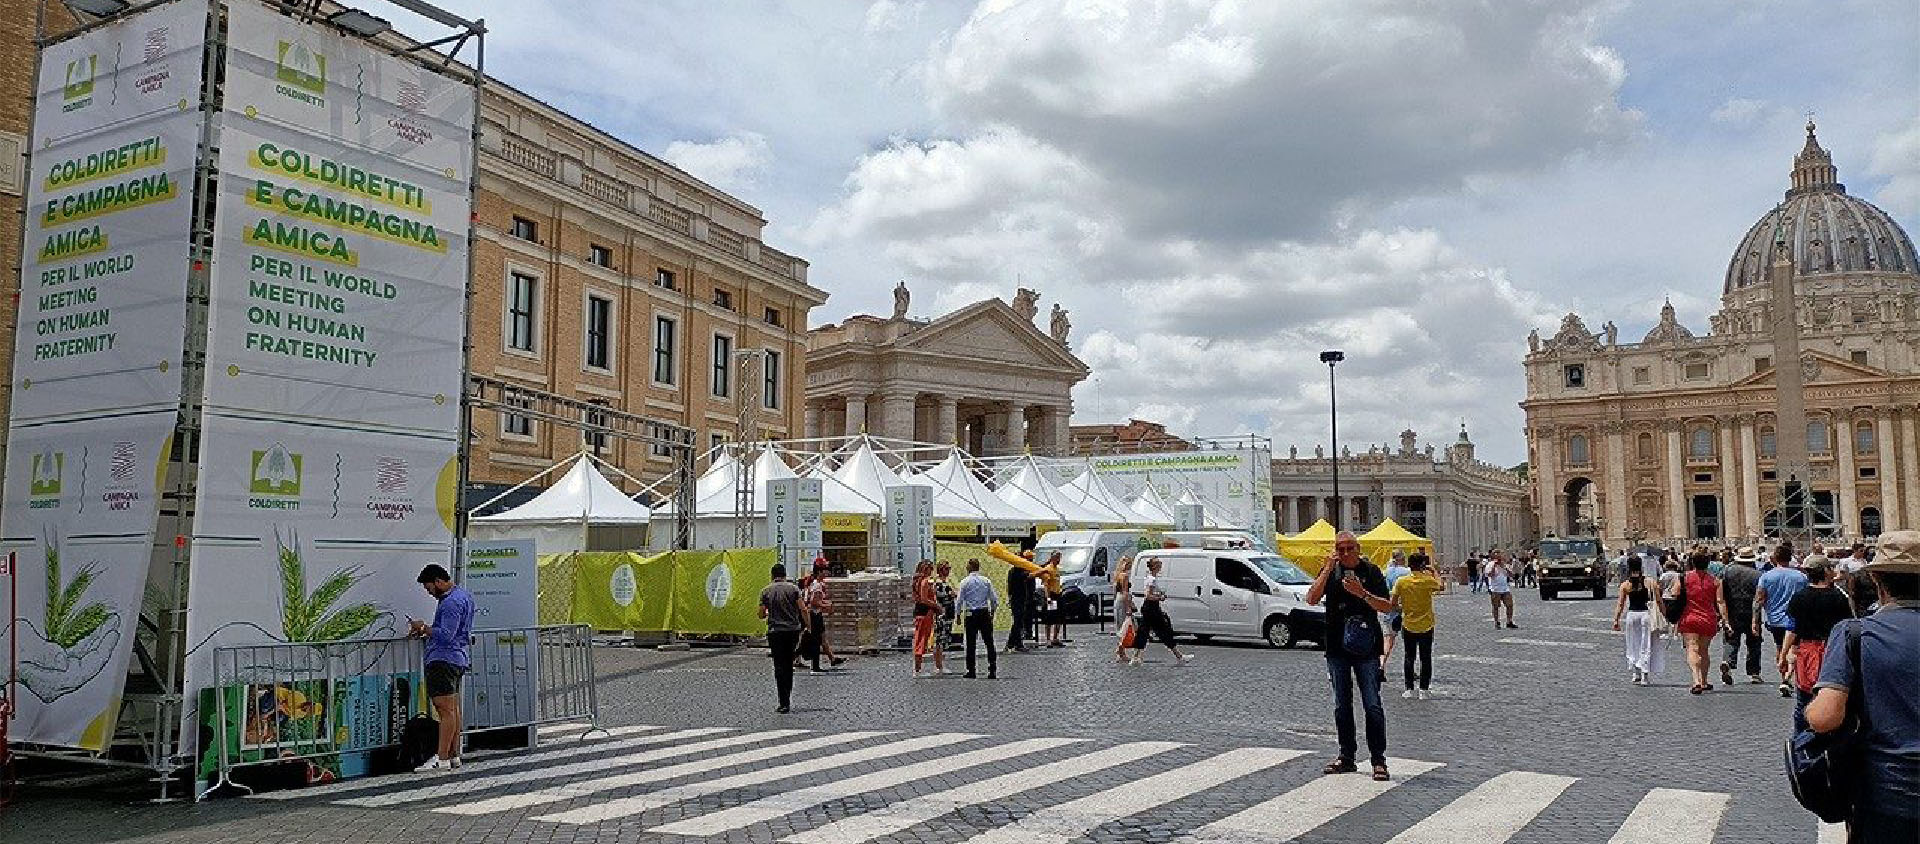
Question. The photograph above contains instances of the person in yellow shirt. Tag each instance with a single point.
(1412, 597)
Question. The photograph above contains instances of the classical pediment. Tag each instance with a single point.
(990, 330)
(1816, 368)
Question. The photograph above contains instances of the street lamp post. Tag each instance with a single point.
(1331, 357)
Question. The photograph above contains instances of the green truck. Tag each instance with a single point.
(1572, 564)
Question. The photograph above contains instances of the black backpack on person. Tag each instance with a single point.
(1824, 768)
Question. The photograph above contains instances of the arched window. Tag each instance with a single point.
(1870, 521)
(1644, 447)
(1817, 437)
(1701, 443)
(1579, 452)
(1768, 446)
(1863, 438)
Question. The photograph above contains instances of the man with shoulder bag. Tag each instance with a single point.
(1355, 592)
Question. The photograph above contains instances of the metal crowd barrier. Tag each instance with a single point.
(291, 695)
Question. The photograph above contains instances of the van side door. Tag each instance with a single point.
(1235, 597)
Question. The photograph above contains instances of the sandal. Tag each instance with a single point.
(1696, 689)
(1380, 773)
(1339, 766)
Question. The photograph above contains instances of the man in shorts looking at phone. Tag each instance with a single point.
(447, 659)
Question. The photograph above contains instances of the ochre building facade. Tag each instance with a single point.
(1674, 437)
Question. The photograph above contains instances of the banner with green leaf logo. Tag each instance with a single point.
(621, 590)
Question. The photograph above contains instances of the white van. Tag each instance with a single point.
(1236, 592)
(1087, 561)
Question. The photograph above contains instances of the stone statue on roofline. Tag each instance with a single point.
(901, 298)
(1026, 303)
(1060, 325)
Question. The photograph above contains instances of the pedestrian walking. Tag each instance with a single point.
(926, 614)
(817, 604)
(1499, 579)
(1123, 620)
(1886, 800)
(447, 659)
(1396, 568)
(1700, 619)
(977, 601)
(780, 607)
(1154, 622)
(1777, 587)
(1355, 593)
(1056, 632)
(1473, 571)
(1019, 595)
(1633, 616)
(1412, 596)
(943, 595)
(1858, 585)
(1815, 611)
(1739, 582)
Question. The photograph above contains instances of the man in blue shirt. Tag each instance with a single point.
(1886, 808)
(977, 603)
(1777, 587)
(447, 659)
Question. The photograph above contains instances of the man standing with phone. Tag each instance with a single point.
(1355, 592)
(447, 659)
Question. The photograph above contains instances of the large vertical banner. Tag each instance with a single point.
(334, 347)
(909, 521)
(793, 521)
(102, 319)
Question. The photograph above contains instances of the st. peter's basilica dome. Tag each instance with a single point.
(1829, 232)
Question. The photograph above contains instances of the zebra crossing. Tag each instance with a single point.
(857, 786)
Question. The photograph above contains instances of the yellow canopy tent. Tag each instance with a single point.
(1310, 548)
(1387, 537)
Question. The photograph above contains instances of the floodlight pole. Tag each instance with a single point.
(1330, 358)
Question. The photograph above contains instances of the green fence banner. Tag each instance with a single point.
(956, 555)
(622, 590)
(556, 588)
(719, 591)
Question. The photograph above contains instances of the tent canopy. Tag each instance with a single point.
(1387, 537)
(1029, 491)
(1149, 508)
(1212, 514)
(1310, 548)
(960, 494)
(581, 495)
(859, 485)
(720, 500)
(1094, 494)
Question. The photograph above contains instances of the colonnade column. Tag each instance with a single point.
(1676, 484)
(1615, 479)
(1016, 429)
(856, 416)
(1849, 478)
(1749, 477)
(1909, 459)
(811, 427)
(946, 420)
(896, 415)
(1729, 479)
(1889, 469)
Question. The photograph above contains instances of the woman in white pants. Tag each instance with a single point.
(1633, 607)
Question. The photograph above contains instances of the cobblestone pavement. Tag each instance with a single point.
(1534, 737)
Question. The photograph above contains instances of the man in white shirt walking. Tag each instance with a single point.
(976, 604)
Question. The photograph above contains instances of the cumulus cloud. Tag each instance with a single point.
(1739, 111)
(1896, 157)
(733, 163)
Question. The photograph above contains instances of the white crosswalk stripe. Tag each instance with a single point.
(584, 788)
(894, 817)
(636, 804)
(1673, 816)
(1064, 822)
(714, 823)
(1304, 809)
(449, 786)
(1489, 814)
(594, 745)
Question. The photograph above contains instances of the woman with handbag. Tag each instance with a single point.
(926, 608)
(1700, 609)
(1154, 621)
(1123, 622)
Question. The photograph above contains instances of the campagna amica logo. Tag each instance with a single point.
(302, 73)
(43, 484)
(274, 482)
(77, 93)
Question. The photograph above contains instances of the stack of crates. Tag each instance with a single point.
(871, 611)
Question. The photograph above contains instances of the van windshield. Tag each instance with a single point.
(1281, 571)
(1072, 560)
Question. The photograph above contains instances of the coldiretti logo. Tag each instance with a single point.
(78, 91)
(275, 481)
(43, 487)
(304, 70)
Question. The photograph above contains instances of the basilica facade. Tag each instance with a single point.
(1679, 436)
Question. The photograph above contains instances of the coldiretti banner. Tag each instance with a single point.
(719, 591)
(618, 590)
(96, 377)
(693, 592)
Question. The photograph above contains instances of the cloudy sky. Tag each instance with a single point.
(1219, 190)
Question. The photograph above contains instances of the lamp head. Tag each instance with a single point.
(1332, 356)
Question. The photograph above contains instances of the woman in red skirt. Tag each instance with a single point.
(926, 609)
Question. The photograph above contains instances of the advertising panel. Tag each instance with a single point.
(1236, 482)
(96, 379)
(909, 526)
(793, 521)
(503, 576)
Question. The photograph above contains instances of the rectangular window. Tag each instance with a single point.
(770, 381)
(722, 366)
(663, 350)
(593, 432)
(1817, 437)
(1768, 443)
(514, 424)
(1762, 364)
(722, 298)
(600, 256)
(1863, 438)
(1698, 371)
(664, 280)
(599, 331)
(525, 229)
(522, 297)
(1859, 356)
(1642, 375)
(1869, 472)
(1576, 376)
(1769, 475)
(658, 445)
(1703, 477)
(773, 316)
(716, 439)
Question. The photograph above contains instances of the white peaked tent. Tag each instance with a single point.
(720, 501)
(1094, 494)
(859, 485)
(580, 512)
(714, 505)
(1028, 491)
(1212, 515)
(1149, 508)
(960, 494)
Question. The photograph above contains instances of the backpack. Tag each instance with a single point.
(1675, 607)
(1824, 768)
